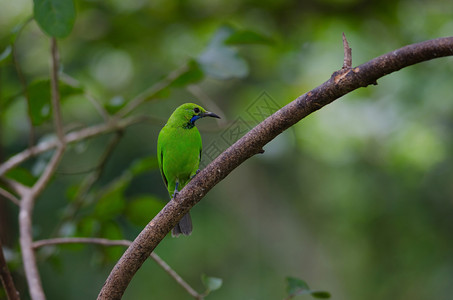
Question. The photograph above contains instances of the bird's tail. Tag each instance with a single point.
(184, 227)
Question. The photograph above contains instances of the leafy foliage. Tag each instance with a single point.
(140, 209)
(297, 286)
(5, 54)
(220, 60)
(211, 283)
(39, 99)
(21, 175)
(192, 74)
(55, 17)
(383, 152)
(244, 37)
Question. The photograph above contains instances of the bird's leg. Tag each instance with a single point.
(198, 171)
(176, 190)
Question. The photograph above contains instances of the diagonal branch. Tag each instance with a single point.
(88, 182)
(341, 83)
(206, 101)
(151, 92)
(117, 122)
(71, 137)
(9, 196)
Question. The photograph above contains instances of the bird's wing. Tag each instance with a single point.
(161, 168)
(160, 160)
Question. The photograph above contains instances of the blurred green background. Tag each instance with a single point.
(356, 199)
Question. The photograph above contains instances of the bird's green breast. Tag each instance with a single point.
(179, 150)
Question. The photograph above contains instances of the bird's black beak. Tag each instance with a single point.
(209, 114)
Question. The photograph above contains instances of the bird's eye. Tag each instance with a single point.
(196, 110)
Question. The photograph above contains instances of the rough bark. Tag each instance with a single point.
(341, 82)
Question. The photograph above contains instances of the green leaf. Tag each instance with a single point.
(248, 37)
(39, 97)
(72, 191)
(222, 61)
(211, 283)
(21, 175)
(142, 209)
(297, 286)
(18, 28)
(143, 165)
(320, 294)
(5, 54)
(112, 201)
(112, 231)
(55, 17)
(115, 104)
(191, 75)
(88, 226)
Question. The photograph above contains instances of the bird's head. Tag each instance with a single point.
(188, 113)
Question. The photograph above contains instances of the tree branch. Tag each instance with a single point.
(71, 137)
(26, 240)
(206, 101)
(29, 195)
(117, 122)
(340, 83)
(25, 225)
(80, 240)
(6, 279)
(347, 61)
(175, 276)
(88, 182)
(58, 123)
(126, 243)
(151, 92)
(76, 84)
(9, 196)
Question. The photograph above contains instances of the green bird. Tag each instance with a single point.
(179, 153)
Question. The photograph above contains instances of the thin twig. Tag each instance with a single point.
(58, 123)
(16, 186)
(125, 243)
(10, 196)
(90, 180)
(113, 123)
(68, 79)
(25, 226)
(28, 198)
(6, 279)
(45, 177)
(80, 240)
(151, 92)
(347, 61)
(206, 100)
(71, 137)
(175, 276)
(99, 108)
